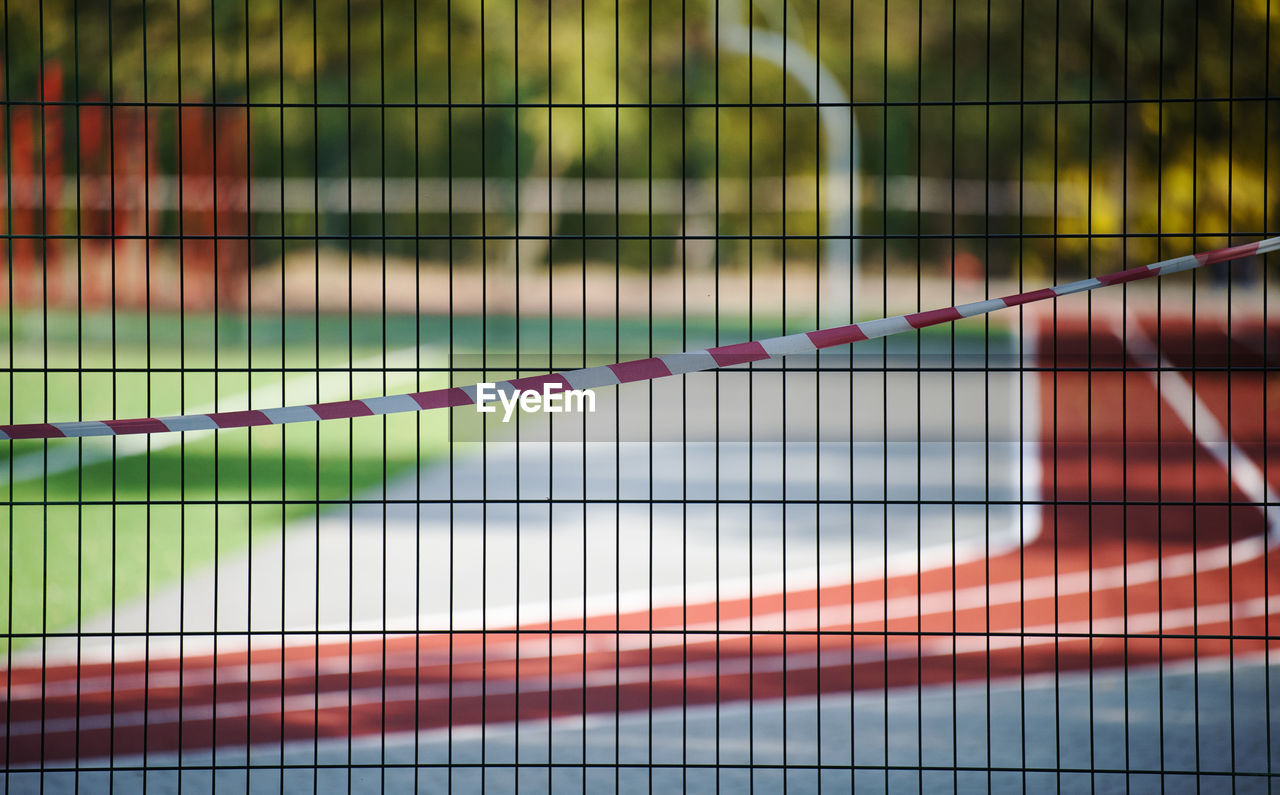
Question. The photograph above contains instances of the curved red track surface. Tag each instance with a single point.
(1151, 550)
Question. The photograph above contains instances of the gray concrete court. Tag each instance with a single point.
(452, 552)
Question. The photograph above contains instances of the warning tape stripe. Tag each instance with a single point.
(624, 372)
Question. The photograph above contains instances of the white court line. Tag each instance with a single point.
(1180, 396)
(1154, 569)
(1181, 620)
(800, 619)
(307, 703)
(1174, 620)
(338, 747)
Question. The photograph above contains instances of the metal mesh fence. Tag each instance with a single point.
(1010, 538)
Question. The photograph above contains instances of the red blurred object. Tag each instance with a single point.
(51, 143)
(94, 280)
(231, 164)
(23, 178)
(195, 198)
(966, 267)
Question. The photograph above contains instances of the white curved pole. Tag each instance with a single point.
(841, 193)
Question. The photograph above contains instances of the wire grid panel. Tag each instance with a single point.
(1010, 552)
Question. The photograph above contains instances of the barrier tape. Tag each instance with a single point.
(622, 372)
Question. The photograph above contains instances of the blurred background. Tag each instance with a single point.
(992, 140)
(213, 206)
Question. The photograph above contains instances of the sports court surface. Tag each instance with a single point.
(996, 605)
(933, 355)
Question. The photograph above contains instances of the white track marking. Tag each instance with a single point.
(1173, 620)
(1180, 396)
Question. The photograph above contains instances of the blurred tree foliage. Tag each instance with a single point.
(1157, 112)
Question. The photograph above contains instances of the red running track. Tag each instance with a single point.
(1151, 550)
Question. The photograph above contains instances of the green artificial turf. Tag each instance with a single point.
(96, 521)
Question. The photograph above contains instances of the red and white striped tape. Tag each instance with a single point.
(622, 372)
